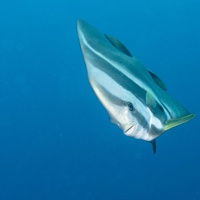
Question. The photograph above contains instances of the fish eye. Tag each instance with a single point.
(129, 105)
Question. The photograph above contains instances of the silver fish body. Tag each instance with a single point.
(135, 98)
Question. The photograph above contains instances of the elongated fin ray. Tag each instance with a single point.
(175, 122)
(117, 44)
(158, 81)
(153, 142)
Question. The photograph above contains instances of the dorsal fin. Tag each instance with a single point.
(158, 81)
(117, 44)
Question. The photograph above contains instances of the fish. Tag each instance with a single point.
(135, 98)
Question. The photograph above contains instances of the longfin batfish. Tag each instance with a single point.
(134, 97)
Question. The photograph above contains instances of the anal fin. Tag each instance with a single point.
(158, 81)
(117, 44)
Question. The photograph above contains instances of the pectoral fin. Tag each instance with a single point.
(150, 101)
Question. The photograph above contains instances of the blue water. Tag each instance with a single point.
(56, 140)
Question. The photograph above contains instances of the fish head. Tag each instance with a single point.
(125, 110)
(141, 122)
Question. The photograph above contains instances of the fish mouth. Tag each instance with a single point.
(130, 130)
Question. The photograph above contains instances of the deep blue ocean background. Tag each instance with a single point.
(56, 140)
